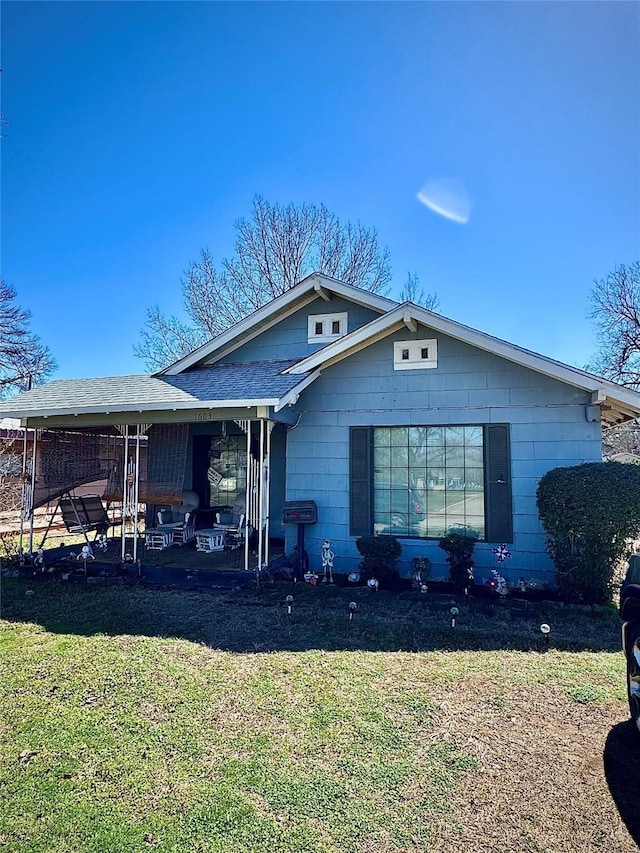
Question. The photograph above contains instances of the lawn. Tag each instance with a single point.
(154, 720)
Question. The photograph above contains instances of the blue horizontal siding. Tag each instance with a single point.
(469, 386)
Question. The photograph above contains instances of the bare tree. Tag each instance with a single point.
(615, 307)
(413, 292)
(274, 249)
(24, 360)
(10, 467)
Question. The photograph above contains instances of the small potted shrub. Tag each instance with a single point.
(379, 557)
(459, 544)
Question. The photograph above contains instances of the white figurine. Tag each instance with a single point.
(85, 554)
(327, 561)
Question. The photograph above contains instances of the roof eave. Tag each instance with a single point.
(152, 407)
(313, 286)
(626, 400)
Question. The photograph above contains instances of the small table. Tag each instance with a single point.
(158, 539)
(209, 540)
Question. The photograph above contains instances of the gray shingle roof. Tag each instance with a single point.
(255, 380)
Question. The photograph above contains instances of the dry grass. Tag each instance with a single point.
(152, 720)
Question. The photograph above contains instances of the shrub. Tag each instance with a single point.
(379, 556)
(589, 513)
(458, 544)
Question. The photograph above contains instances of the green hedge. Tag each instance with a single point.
(589, 513)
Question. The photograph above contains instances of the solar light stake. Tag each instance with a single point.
(352, 609)
(545, 630)
(289, 600)
(454, 614)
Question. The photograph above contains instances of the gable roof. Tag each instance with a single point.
(255, 383)
(623, 403)
(306, 291)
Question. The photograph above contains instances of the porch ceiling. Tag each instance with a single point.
(219, 386)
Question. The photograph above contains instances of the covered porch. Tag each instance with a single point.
(182, 475)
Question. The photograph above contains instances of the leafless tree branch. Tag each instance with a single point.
(615, 308)
(24, 360)
(273, 250)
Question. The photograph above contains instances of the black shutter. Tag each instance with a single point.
(360, 481)
(499, 515)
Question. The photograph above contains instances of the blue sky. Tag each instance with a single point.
(138, 133)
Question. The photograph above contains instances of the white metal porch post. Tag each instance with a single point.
(261, 496)
(125, 466)
(136, 493)
(247, 498)
(34, 448)
(267, 475)
(23, 496)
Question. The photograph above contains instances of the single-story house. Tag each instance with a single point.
(394, 419)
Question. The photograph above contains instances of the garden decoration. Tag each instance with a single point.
(38, 560)
(289, 600)
(353, 577)
(101, 543)
(421, 566)
(373, 584)
(497, 583)
(545, 631)
(84, 555)
(454, 615)
(311, 577)
(352, 609)
(327, 561)
(424, 588)
(501, 553)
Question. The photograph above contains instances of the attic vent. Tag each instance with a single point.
(324, 328)
(415, 355)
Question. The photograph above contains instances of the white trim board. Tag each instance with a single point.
(314, 286)
(396, 318)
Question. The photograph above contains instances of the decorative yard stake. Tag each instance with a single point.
(502, 553)
(84, 555)
(373, 584)
(498, 582)
(327, 561)
(289, 600)
(454, 615)
(546, 630)
(352, 609)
